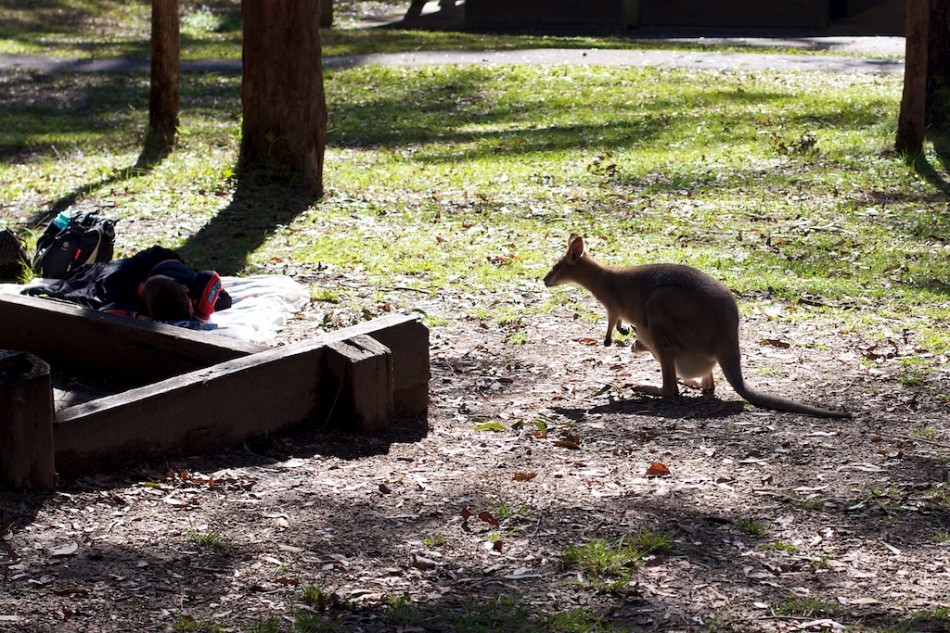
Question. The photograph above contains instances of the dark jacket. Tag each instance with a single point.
(114, 286)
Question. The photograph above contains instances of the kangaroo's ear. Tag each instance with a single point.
(575, 248)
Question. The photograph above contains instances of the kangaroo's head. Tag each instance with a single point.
(563, 270)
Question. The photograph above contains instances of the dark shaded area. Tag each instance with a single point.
(657, 19)
(704, 537)
(263, 201)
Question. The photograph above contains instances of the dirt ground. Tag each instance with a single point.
(779, 522)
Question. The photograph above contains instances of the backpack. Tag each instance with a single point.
(71, 240)
(13, 257)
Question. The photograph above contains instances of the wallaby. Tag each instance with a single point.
(685, 318)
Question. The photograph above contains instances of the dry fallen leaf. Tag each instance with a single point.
(657, 469)
(524, 476)
(67, 550)
(489, 518)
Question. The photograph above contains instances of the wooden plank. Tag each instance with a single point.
(360, 383)
(408, 340)
(26, 422)
(275, 391)
(70, 337)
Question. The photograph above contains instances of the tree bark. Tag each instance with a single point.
(165, 83)
(285, 112)
(911, 122)
(938, 65)
(326, 14)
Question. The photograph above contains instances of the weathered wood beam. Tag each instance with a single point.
(70, 337)
(26, 422)
(360, 383)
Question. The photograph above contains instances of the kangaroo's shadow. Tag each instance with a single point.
(682, 408)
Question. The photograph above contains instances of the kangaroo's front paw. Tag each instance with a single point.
(623, 329)
(608, 342)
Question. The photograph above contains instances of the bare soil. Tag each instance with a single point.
(780, 522)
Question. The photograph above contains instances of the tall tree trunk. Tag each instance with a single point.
(285, 112)
(165, 89)
(938, 65)
(911, 122)
(326, 14)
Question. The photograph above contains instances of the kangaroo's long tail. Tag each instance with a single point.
(732, 370)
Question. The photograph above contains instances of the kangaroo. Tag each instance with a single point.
(688, 320)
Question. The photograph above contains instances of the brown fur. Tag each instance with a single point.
(685, 318)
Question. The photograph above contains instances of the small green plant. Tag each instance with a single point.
(927, 432)
(780, 546)
(822, 562)
(600, 558)
(400, 610)
(807, 607)
(940, 615)
(912, 378)
(211, 540)
(576, 621)
(493, 425)
(751, 526)
(308, 622)
(270, 625)
(808, 504)
(653, 542)
(518, 338)
(320, 598)
(434, 540)
(502, 510)
(187, 624)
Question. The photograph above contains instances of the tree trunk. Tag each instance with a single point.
(326, 14)
(911, 123)
(165, 86)
(938, 65)
(285, 112)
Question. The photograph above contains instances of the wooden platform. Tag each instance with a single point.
(188, 391)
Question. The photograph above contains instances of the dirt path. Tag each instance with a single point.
(778, 522)
(882, 55)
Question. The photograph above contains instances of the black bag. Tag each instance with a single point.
(72, 240)
(13, 257)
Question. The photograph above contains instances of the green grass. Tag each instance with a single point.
(187, 624)
(780, 546)
(447, 183)
(615, 562)
(211, 29)
(509, 614)
(212, 541)
(806, 607)
(752, 527)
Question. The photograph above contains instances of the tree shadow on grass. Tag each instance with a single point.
(150, 158)
(932, 173)
(263, 202)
